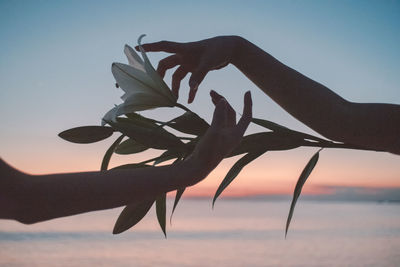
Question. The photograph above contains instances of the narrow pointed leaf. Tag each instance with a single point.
(189, 123)
(270, 125)
(282, 129)
(161, 210)
(141, 120)
(130, 146)
(131, 166)
(131, 215)
(299, 186)
(167, 155)
(178, 196)
(235, 170)
(157, 138)
(109, 152)
(155, 159)
(268, 140)
(86, 134)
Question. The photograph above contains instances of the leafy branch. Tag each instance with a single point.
(143, 133)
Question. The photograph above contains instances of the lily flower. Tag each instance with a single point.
(143, 87)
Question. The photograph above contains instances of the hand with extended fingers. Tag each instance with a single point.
(196, 57)
(222, 137)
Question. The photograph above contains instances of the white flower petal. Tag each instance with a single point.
(161, 86)
(111, 115)
(125, 96)
(148, 99)
(131, 79)
(133, 58)
(142, 101)
(126, 109)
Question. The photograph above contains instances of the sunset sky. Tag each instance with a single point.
(55, 74)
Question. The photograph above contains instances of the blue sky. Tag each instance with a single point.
(56, 57)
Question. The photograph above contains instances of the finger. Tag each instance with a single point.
(247, 114)
(215, 97)
(167, 63)
(223, 65)
(219, 114)
(230, 112)
(230, 116)
(195, 79)
(164, 46)
(177, 77)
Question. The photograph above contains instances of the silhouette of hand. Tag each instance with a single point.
(196, 57)
(221, 138)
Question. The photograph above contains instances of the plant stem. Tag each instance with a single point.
(150, 160)
(182, 107)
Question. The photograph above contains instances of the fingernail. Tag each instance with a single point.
(213, 97)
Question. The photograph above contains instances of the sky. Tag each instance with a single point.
(55, 74)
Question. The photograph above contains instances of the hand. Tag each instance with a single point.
(221, 138)
(196, 57)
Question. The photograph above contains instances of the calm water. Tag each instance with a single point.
(236, 233)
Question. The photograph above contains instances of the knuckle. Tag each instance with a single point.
(175, 75)
(178, 74)
(161, 64)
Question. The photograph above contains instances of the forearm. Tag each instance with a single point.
(302, 97)
(46, 197)
(317, 106)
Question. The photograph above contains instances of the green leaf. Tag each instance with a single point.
(161, 210)
(131, 166)
(189, 123)
(167, 155)
(131, 215)
(284, 130)
(109, 152)
(300, 182)
(130, 146)
(268, 140)
(141, 120)
(270, 125)
(157, 138)
(235, 170)
(86, 134)
(178, 196)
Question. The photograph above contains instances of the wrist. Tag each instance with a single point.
(193, 171)
(238, 49)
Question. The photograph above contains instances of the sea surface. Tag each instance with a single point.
(235, 233)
